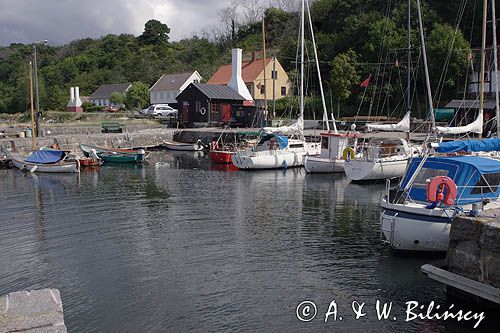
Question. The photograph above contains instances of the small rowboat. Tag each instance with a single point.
(221, 156)
(116, 157)
(53, 161)
(99, 149)
(174, 145)
(87, 162)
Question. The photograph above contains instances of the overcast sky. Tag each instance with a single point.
(61, 21)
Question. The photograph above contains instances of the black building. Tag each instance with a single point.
(214, 104)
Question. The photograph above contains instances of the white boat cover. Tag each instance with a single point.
(402, 126)
(475, 127)
(296, 128)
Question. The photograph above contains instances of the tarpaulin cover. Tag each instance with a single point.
(282, 140)
(468, 146)
(45, 156)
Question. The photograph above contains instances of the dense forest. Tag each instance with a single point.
(356, 39)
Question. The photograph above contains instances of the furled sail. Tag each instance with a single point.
(402, 126)
(475, 127)
(296, 128)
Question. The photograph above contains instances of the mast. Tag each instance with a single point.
(483, 59)
(426, 68)
(32, 109)
(301, 96)
(274, 85)
(325, 112)
(495, 64)
(264, 66)
(408, 75)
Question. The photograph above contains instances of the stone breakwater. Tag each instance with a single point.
(71, 141)
(474, 250)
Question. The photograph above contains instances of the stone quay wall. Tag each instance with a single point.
(474, 250)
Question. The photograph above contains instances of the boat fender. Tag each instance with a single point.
(141, 152)
(442, 189)
(203, 111)
(198, 143)
(348, 154)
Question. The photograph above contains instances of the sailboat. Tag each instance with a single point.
(418, 214)
(53, 161)
(387, 158)
(284, 146)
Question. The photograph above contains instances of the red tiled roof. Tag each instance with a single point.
(249, 71)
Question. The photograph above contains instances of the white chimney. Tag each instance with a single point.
(78, 101)
(71, 97)
(236, 82)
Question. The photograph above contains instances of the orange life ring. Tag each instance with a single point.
(436, 190)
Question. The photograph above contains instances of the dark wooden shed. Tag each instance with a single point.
(209, 103)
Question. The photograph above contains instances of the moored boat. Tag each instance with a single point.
(52, 161)
(174, 145)
(100, 149)
(117, 157)
(336, 148)
(417, 215)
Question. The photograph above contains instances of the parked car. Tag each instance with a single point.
(160, 110)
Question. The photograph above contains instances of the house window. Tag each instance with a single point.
(249, 87)
(274, 75)
(197, 106)
(283, 91)
(262, 89)
(195, 81)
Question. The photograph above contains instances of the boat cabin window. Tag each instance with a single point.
(427, 173)
(488, 183)
(297, 145)
(324, 142)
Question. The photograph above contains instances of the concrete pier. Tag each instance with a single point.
(38, 311)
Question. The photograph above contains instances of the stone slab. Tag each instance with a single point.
(32, 311)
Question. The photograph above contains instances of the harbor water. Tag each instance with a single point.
(179, 244)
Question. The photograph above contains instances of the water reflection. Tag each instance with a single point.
(178, 244)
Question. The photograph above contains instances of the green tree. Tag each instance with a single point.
(343, 75)
(448, 50)
(155, 33)
(117, 98)
(137, 96)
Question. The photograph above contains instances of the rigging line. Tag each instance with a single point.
(442, 79)
(382, 50)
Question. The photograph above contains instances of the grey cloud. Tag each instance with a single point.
(60, 21)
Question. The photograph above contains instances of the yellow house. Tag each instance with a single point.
(253, 75)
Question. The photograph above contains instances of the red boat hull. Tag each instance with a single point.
(219, 156)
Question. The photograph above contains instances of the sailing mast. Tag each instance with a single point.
(426, 68)
(301, 96)
(408, 74)
(483, 59)
(495, 64)
(264, 66)
(32, 109)
(325, 112)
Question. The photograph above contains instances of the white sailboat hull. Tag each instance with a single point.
(59, 167)
(408, 231)
(183, 146)
(375, 169)
(274, 159)
(317, 164)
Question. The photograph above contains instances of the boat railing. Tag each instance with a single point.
(483, 198)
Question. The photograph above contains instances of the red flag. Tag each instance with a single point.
(364, 84)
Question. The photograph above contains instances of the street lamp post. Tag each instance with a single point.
(37, 98)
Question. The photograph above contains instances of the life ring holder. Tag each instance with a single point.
(203, 111)
(348, 154)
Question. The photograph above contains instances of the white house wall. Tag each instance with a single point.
(169, 96)
(489, 85)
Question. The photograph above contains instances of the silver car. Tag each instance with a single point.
(160, 110)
